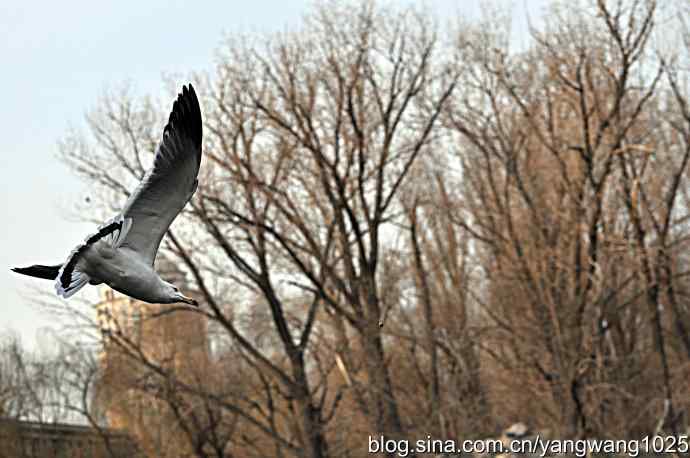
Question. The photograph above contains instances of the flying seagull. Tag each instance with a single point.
(121, 252)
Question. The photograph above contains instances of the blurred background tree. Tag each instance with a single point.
(410, 230)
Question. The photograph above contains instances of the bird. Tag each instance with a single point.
(122, 251)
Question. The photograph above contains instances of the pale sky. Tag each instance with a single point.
(57, 59)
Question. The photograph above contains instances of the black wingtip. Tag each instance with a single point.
(186, 114)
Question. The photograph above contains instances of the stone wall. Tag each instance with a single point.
(27, 439)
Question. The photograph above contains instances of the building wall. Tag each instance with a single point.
(25, 439)
(173, 339)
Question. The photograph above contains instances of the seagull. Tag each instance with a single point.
(122, 251)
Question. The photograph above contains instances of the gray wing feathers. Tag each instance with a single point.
(168, 185)
(71, 277)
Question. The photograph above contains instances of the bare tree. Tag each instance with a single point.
(388, 224)
(571, 208)
(437, 329)
(309, 140)
(53, 388)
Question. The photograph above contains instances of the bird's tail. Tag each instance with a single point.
(47, 272)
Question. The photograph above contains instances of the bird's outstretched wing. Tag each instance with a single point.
(171, 181)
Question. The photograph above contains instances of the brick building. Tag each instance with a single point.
(28, 439)
(130, 393)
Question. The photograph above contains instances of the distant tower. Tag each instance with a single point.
(173, 339)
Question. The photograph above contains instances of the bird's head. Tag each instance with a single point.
(176, 295)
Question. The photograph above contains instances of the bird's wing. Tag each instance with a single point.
(171, 181)
(71, 277)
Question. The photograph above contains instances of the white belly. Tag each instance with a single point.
(122, 270)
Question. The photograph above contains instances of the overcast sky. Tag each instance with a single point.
(57, 59)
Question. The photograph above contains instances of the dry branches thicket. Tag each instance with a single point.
(396, 233)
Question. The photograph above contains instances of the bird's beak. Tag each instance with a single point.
(188, 300)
